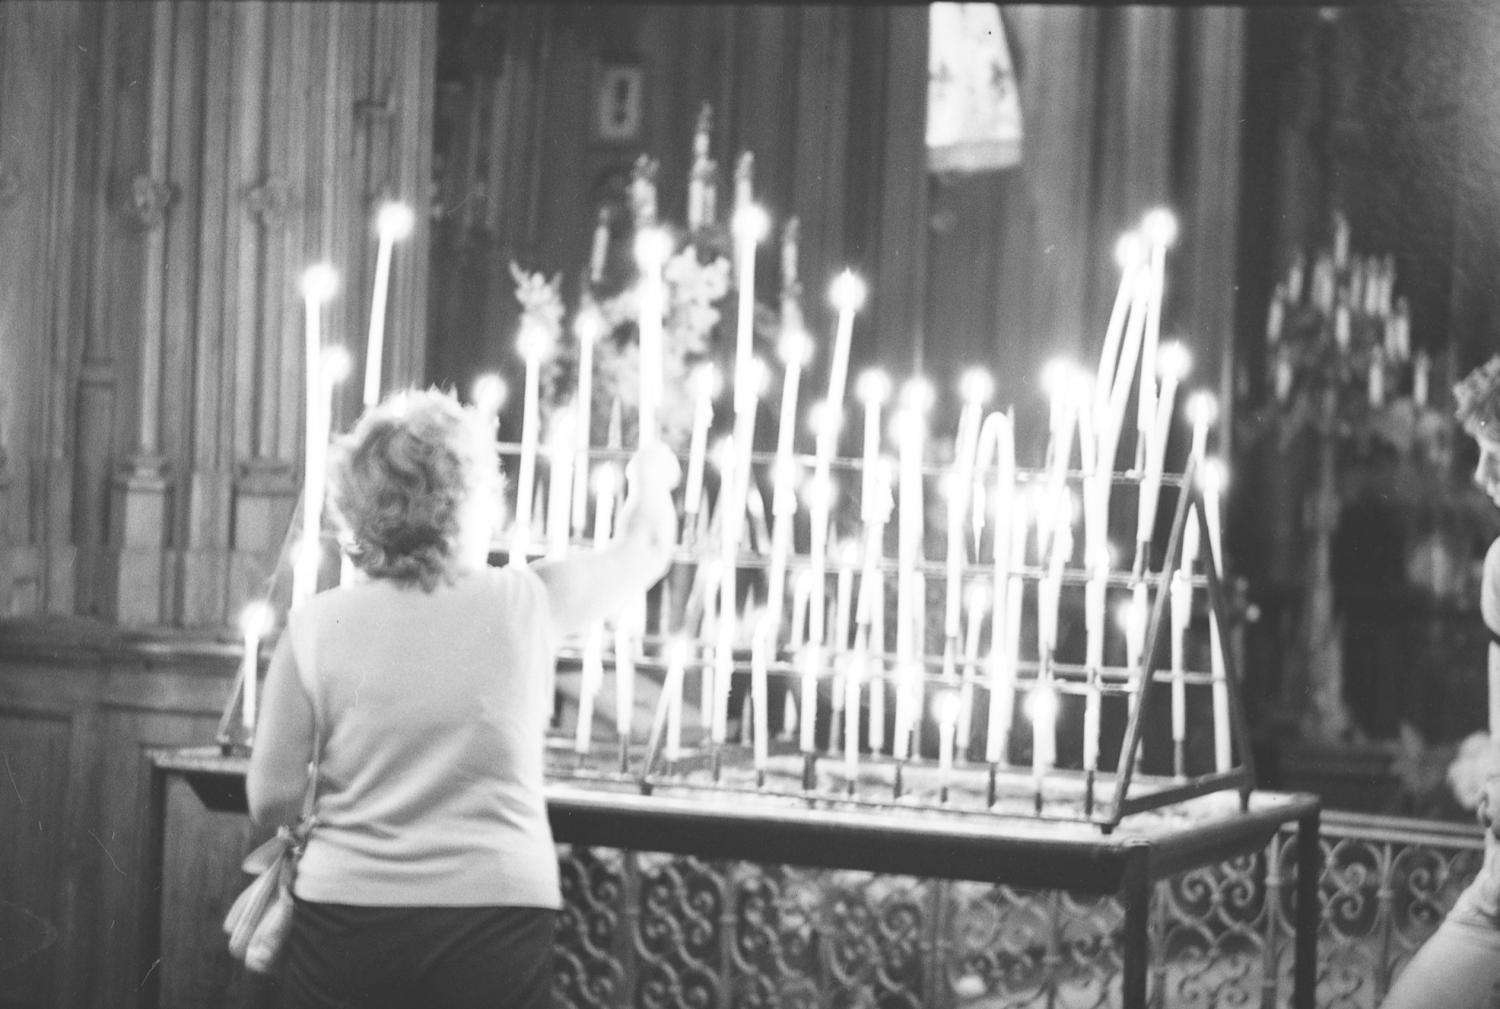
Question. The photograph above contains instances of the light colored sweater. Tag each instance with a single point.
(434, 708)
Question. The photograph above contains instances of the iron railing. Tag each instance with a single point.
(655, 931)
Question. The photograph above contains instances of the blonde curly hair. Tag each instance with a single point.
(401, 484)
(1477, 400)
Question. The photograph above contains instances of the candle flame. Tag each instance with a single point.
(976, 386)
(977, 598)
(1173, 360)
(1160, 226)
(395, 221)
(606, 480)
(751, 223)
(706, 380)
(319, 282)
(1057, 377)
(489, 393)
(917, 395)
(257, 619)
(873, 387)
(653, 247)
(847, 292)
(588, 326)
(534, 341)
(796, 348)
(1202, 407)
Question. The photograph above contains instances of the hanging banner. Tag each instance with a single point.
(973, 107)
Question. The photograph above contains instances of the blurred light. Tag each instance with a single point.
(751, 223)
(1160, 226)
(395, 221)
(257, 619)
(653, 247)
(319, 282)
(489, 393)
(945, 705)
(795, 348)
(873, 387)
(976, 386)
(1203, 407)
(1173, 360)
(847, 292)
(1130, 250)
(588, 326)
(335, 365)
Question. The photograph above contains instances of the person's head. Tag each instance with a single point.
(415, 487)
(1478, 411)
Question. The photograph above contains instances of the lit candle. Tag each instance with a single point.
(846, 557)
(393, 223)
(705, 385)
(945, 712)
(588, 327)
(1059, 381)
(1294, 277)
(975, 388)
(1420, 377)
(1173, 365)
(760, 658)
(560, 479)
(853, 675)
(875, 510)
(1341, 334)
(1340, 240)
(1130, 255)
(1377, 377)
(701, 179)
(977, 602)
(642, 192)
(820, 496)
(1212, 484)
(256, 621)
(678, 650)
(1010, 531)
(1181, 600)
(810, 659)
(847, 295)
(1135, 625)
(796, 349)
(319, 282)
(1042, 707)
(599, 251)
(653, 247)
(1275, 315)
(910, 434)
(1160, 229)
(1283, 378)
(533, 345)
(791, 286)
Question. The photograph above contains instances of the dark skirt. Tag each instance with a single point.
(344, 956)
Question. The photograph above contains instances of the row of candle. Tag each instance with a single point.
(1131, 339)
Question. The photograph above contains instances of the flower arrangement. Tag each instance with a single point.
(698, 324)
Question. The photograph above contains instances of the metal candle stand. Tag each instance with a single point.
(920, 786)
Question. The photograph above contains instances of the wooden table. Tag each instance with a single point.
(1143, 850)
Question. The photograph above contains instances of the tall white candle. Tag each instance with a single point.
(705, 384)
(588, 327)
(1173, 364)
(1008, 517)
(911, 436)
(256, 621)
(975, 389)
(795, 349)
(846, 557)
(393, 223)
(1130, 255)
(1212, 485)
(1420, 377)
(1181, 603)
(945, 713)
(1042, 707)
(853, 678)
(810, 660)
(1160, 230)
(319, 283)
(847, 294)
(590, 676)
(653, 247)
(560, 455)
(533, 345)
(760, 658)
(599, 250)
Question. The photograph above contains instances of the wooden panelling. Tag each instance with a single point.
(33, 804)
(78, 708)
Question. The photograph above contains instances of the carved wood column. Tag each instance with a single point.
(266, 137)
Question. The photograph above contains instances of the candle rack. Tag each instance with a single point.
(955, 776)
